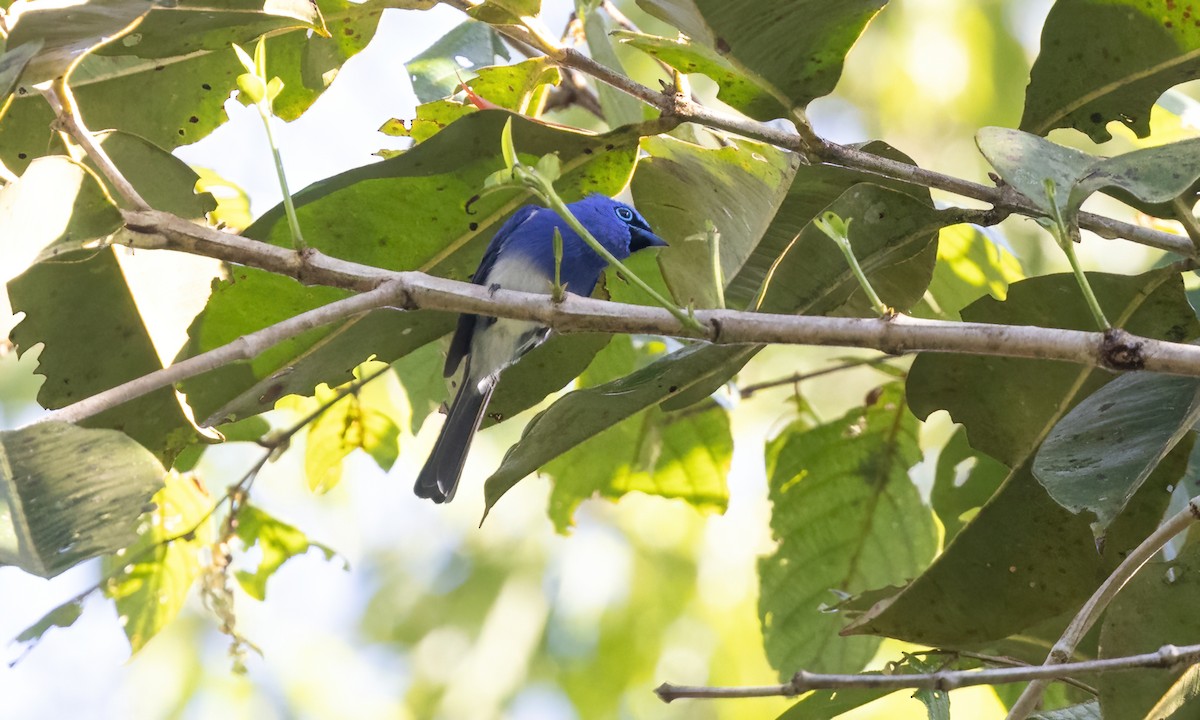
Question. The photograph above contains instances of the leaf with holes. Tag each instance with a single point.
(848, 519)
(150, 579)
(277, 542)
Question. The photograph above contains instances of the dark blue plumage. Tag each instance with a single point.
(521, 257)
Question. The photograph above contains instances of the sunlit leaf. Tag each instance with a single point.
(963, 482)
(276, 540)
(619, 107)
(1098, 456)
(970, 265)
(64, 33)
(150, 579)
(68, 494)
(848, 519)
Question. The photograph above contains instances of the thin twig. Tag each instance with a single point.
(748, 390)
(1169, 656)
(1090, 612)
(1004, 661)
(1187, 218)
(67, 114)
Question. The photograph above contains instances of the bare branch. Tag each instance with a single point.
(1169, 656)
(1090, 612)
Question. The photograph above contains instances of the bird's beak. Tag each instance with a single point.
(641, 239)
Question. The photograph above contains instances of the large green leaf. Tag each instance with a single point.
(682, 187)
(585, 413)
(970, 265)
(68, 494)
(619, 107)
(793, 49)
(963, 482)
(1156, 608)
(848, 519)
(1105, 60)
(1023, 558)
(812, 189)
(1098, 456)
(407, 213)
(89, 345)
(150, 579)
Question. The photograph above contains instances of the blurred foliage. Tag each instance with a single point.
(871, 520)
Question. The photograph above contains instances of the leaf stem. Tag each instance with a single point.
(289, 207)
(838, 230)
(1065, 233)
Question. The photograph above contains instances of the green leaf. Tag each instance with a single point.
(63, 616)
(91, 346)
(682, 187)
(848, 519)
(963, 482)
(505, 12)
(68, 494)
(1155, 608)
(543, 371)
(584, 413)
(1152, 175)
(1183, 691)
(150, 579)
(55, 206)
(355, 216)
(1026, 161)
(1084, 711)
(1106, 60)
(735, 88)
(894, 237)
(164, 181)
(813, 188)
(936, 702)
(684, 455)
(434, 72)
(826, 704)
(13, 63)
(1023, 558)
(619, 107)
(66, 33)
(276, 540)
(420, 372)
(970, 266)
(184, 27)
(793, 48)
(1098, 456)
(362, 420)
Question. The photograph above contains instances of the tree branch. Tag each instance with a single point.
(1090, 612)
(1168, 656)
(1114, 350)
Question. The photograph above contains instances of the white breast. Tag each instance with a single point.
(501, 343)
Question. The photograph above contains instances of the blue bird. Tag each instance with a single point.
(521, 257)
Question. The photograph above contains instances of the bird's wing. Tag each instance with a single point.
(460, 344)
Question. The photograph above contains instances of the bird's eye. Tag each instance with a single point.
(625, 214)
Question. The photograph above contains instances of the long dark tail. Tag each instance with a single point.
(439, 477)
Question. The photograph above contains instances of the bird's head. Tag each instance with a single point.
(616, 225)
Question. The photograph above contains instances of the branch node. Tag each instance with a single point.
(665, 692)
(1120, 351)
